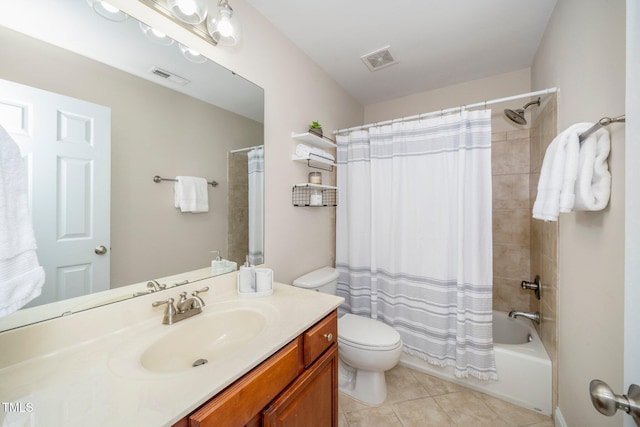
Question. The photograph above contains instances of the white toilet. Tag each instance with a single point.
(366, 347)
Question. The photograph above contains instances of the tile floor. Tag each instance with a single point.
(415, 399)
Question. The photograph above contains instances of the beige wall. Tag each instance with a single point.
(583, 53)
(494, 87)
(297, 91)
(155, 131)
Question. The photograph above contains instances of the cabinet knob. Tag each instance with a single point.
(329, 336)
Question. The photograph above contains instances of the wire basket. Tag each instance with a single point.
(302, 195)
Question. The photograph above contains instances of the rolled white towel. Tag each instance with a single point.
(305, 151)
(593, 185)
(556, 186)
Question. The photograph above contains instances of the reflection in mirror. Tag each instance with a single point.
(189, 123)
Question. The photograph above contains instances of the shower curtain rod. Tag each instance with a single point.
(451, 110)
(240, 150)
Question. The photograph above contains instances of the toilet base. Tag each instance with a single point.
(368, 387)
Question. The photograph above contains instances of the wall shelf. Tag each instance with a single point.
(315, 140)
(301, 195)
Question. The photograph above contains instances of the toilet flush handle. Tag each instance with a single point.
(329, 336)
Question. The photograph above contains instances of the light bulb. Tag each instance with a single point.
(107, 10)
(223, 26)
(192, 54)
(188, 7)
(156, 35)
(188, 11)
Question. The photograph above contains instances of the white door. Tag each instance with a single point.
(66, 144)
(632, 204)
(632, 221)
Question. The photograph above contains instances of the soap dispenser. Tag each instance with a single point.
(221, 266)
(247, 277)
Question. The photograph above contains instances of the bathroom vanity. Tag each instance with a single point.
(297, 386)
(271, 361)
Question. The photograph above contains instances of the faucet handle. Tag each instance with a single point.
(199, 291)
(183, 297)
(168, 301)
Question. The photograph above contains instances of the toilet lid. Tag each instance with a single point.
(362, 331)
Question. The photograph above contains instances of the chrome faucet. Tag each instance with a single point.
(531, 316)
(155, 286)
(184, 309)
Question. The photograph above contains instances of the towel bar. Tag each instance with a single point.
(605, 121)
(159, 179)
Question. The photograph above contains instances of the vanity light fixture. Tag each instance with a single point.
(192, 55)
(156, 35)
(107, 11)
(219, 25)
(223, 26)
(188, 11)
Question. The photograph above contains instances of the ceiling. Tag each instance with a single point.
(436, 43)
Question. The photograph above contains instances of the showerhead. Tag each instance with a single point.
(517, 116)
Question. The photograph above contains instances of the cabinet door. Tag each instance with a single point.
(311, 400)
(239, 403)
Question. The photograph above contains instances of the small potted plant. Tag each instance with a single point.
(316, 128)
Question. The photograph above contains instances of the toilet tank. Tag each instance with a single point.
(323, 280)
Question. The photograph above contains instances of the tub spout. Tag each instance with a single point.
(531, 316)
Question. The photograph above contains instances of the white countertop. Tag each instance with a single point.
(84, 369)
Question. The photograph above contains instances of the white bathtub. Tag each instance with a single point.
(524, 368)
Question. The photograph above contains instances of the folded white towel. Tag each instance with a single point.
(191, 194)
(593, 186)
(304, 151)
(556, 186)
(21, 277)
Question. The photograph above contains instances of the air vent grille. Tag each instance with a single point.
(168, 75)
(378, 59)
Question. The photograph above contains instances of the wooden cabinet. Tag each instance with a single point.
(312, 400)
(297, 386)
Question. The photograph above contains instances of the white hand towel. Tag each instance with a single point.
(21, 277)
(191, 194)
(556, 186)
(593, 186)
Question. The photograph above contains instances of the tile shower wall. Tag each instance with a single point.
(544, 241)
(511, 213)
(524, 247)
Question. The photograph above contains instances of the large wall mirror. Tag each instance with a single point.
(168, 113)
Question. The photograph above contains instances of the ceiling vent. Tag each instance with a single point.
(174, 78)
(378, 59)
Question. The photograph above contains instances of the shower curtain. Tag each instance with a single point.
(414, 235)
(256, 205)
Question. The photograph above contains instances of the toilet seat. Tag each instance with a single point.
(367, 334)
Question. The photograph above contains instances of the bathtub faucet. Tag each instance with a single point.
(531, 316)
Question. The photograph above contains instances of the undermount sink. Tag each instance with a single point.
(203, 339)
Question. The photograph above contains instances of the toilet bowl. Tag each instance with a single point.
(366, 347)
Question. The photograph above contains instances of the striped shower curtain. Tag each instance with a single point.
(414, 245)
(255, 157)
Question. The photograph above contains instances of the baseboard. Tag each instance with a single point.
(558, 419)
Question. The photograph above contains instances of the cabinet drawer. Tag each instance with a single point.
(319, 338)
(245, 398)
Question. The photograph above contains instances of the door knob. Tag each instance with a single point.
(607, 402)
(100, 250)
